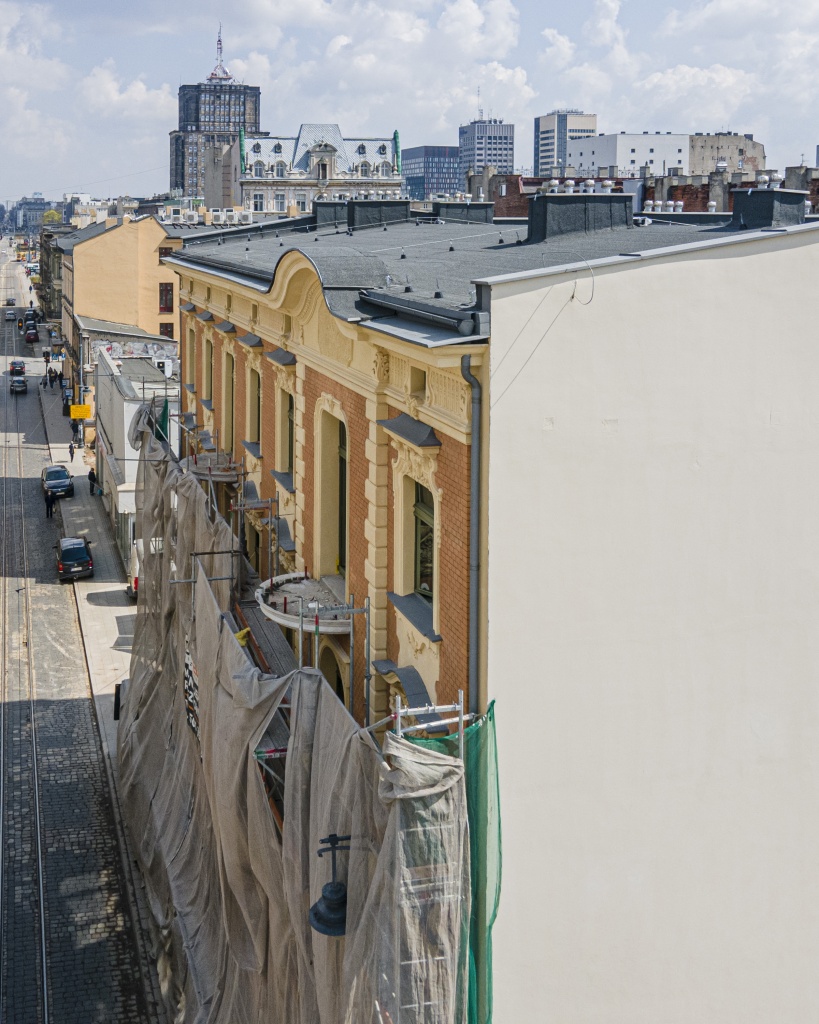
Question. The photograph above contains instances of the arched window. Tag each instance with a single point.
(280, 169)
(258, 169)
(386, 169)
(364, 170)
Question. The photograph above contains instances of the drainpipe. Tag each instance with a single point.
(474, 531)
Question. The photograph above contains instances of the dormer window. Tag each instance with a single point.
(257, 147)
(277, 148)
(280, 169)
(258, 169)
(364, 170)
(382, 149)
(362, 149)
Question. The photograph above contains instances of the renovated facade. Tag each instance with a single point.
(284, 175)
(562, 495)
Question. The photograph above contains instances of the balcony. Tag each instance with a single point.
(297, 601)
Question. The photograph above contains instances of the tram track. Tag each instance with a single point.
(24, 982)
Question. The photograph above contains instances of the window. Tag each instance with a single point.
(164, 251)
(386, 169)
(277, 148)
(651, 150)
(633, 151)
(279, 202)
(424, 515)
(291, 433)
(258, 202)
(191, 354)
(166, 297)
(227, 419)
(342, 498)
(301, 201)
(166, 330)
(258, 169)
(207, 388)
(321, 170)
(280, 169)
(254, 407)
(364, 170)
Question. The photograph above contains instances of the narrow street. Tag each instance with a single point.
(69, 930)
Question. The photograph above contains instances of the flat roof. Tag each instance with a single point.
(433, 263)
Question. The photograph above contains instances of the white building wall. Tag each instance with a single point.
(652, 639)
(629, 153)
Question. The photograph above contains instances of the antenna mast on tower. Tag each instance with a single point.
(220, 73)
(480, 108)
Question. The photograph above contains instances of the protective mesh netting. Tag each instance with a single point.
(230, 892)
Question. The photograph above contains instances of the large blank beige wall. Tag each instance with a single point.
(653, 639)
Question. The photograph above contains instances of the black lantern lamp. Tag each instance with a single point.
(328, 915)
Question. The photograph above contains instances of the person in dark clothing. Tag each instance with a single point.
(49, 503)
(92, 479)
(71, 450)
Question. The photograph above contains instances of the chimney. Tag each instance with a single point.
(577, 213)
(768, 207)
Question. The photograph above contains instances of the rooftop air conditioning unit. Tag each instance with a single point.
(246, 217)
(230, 216)
(217, 217)
(163, 365)
(176, 218)
(191, 217)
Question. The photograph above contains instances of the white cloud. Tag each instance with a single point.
(103, 93)
(560, 50)
(488, 29)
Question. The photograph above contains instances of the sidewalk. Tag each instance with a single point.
(107, 614)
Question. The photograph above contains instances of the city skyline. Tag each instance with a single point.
(91, 92)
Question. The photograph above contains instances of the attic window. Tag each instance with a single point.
(362, 148)
(277, 148)
(257, 148)
(382, 149)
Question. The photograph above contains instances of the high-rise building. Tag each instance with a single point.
(552, 134)
(210, 113)
(431, 170)
(484, 142)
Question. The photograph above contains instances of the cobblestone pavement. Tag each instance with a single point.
(95, 967)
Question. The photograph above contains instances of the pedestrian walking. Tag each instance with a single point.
(92, 479)
(51, 382)
(71, 451)
(49, 503)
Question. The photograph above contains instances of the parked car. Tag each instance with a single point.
(74, 558)
(18, 385)
(10, 314)
(58, 480)
(17, 368)
(11, 301)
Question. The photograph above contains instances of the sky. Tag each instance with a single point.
(89, 88)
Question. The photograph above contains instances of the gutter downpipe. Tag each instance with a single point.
(474, 531)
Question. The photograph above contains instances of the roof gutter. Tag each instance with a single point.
(474, 528)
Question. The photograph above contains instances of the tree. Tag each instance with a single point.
(51, 217)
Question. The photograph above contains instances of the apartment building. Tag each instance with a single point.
(619, 551)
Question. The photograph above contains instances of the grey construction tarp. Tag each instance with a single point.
(229, 891)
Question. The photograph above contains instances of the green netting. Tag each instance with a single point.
(483, 811)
